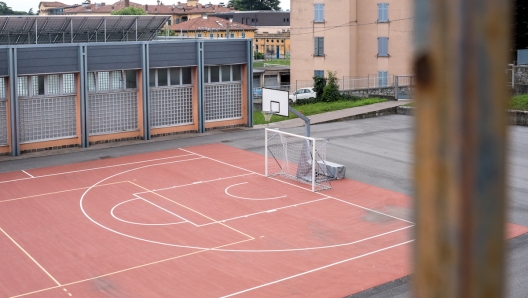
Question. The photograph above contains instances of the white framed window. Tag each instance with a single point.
(170, 77)
(383, 78)
(222, 74)
(383, 47)
(319, 73)
(103, 81)
(319, 13)
(383, 12)
(199, 34)
(319, 46)
(46, 85)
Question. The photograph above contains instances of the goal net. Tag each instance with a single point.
(296, 157)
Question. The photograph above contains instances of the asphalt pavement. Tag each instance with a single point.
(376, 151)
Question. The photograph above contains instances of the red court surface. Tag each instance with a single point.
(196, 222)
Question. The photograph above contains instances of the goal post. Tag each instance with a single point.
(295, 157)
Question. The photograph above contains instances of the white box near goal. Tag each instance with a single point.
(297, 157)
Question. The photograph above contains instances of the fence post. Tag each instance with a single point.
(462, 47)
(396, 83)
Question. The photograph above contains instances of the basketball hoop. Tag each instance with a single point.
(267, 115)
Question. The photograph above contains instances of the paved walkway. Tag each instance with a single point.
(335, 116)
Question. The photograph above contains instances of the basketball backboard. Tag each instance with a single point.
(275, 101)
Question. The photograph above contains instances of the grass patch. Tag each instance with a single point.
(519, 102)
(317, 108)
(285, 62)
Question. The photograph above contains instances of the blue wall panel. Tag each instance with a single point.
(168, 54)
(47, 59)
(114, 57)
(225, 52)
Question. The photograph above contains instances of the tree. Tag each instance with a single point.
(30, 12)
(245, 5)
(331, 90)
(6, 10)
(129, 11)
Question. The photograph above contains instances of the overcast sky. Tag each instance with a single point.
(25, 5)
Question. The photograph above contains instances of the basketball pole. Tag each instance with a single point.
(306, 119)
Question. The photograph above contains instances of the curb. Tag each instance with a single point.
(515, 117)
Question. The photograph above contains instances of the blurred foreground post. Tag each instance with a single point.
(462, 49)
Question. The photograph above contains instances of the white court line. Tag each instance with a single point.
(141, 224)
(28, 174)
(370, 210)
(91, 169)
(262, 212)
(242, 198)
(205, 248)
(359, 206)
(193, 183)
(166, 210)
(317, 269)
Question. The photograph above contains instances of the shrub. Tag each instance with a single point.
(319, 84)
(258, 56)
(303, 101)
(331, 90)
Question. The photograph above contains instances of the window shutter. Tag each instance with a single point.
(321, 46)
(318, 12)
(316, 46)
(383, 46)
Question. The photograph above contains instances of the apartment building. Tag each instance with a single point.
(355, 38)
(212, 27)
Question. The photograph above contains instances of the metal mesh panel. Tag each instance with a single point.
(113, 112)
(171, 106)
(47, 118)
(223, 102)
(3, 121)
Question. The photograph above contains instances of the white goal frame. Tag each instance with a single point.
(317, 146)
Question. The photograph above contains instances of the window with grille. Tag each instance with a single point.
(383, 12)
(222, 73)
(318, 46)
(104, 81)
(318, 13)
(167, 77)
(383, 46)
(46, 85)
(223, 102)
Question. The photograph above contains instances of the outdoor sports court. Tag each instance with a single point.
(196, 222)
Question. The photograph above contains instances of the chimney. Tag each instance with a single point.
(127, 3)
(230, 20)
(158, 2)
(204, 16)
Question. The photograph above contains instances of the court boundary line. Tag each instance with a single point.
(249, 199)
(32, 259)
(317, 269)
(127, 269)
(28, 174)
(145, 224)
(57, 192)
(359, 206)
(91, 169)
(208, 217)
